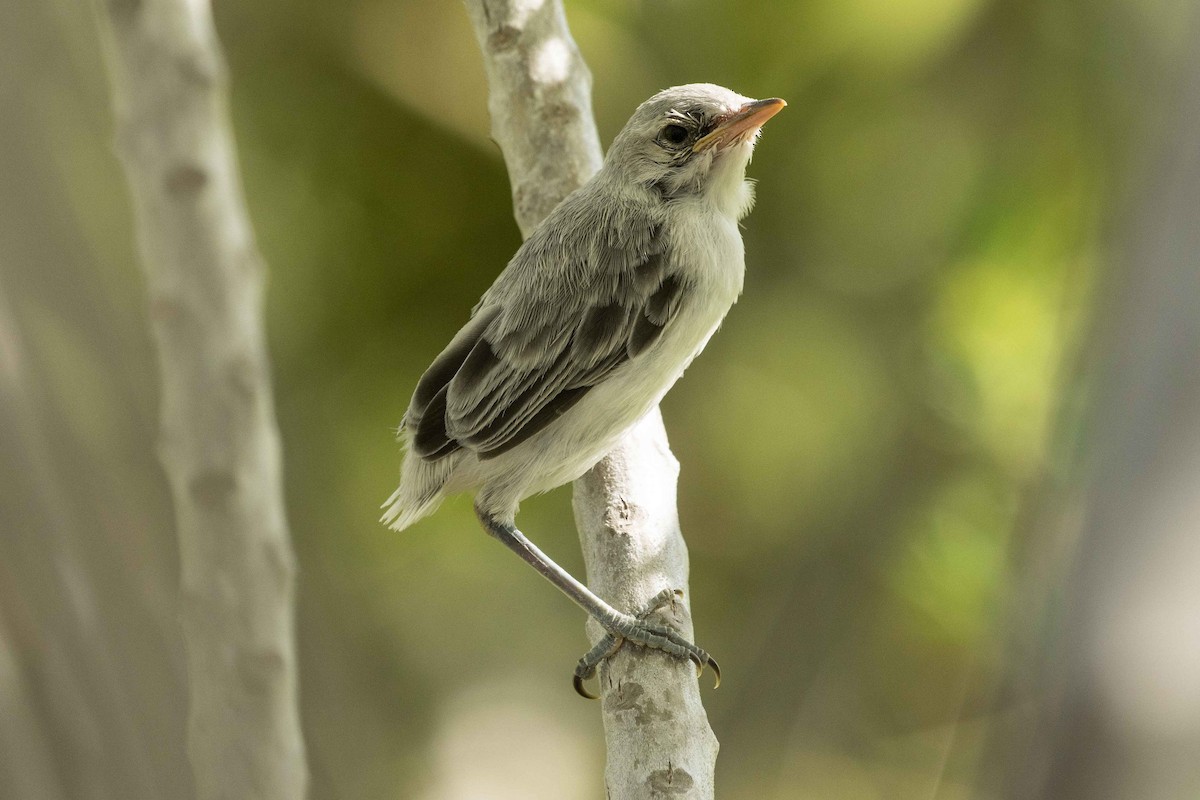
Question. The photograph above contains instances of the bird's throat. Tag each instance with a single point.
(727, 187)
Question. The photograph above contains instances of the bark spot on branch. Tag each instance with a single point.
(123, 9)
(561, 113)
(201, 69)
(166, 309)
(503, 38)
(631, 696)
(620, 514)
(243, 378)
(185, 180)
(259, 670)
(670, 781)
(213, 487)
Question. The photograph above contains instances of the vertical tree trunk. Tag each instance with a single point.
(219, 442)
(1118, 692)
(658, 736)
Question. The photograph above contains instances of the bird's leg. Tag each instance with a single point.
(610, 643)
(621, 627)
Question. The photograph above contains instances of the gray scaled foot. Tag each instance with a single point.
(635, 630)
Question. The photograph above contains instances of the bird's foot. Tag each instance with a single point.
(635, 630)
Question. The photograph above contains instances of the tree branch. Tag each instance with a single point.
(658, 736)
(219, 442)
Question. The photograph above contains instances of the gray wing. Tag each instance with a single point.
(536, 346)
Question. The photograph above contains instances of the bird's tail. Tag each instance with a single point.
(419, 493)
(401, 511)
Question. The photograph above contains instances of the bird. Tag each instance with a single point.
(585, 330)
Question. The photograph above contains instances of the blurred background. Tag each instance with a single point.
(884, 451)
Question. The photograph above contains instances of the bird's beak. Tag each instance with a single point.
(740, 125)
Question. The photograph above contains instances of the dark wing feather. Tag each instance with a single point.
(519, 366)
(658, 310)
(426, 415)
(429, 433)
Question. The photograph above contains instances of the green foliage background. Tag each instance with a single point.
(860, 444)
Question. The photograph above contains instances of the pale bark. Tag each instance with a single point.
(657, 733)
(219, 441)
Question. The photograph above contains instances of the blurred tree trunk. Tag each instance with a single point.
(219, 440)
(1118, 688)
(61, 683)
(540, 102)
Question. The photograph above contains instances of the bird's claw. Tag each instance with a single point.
(716, 668)
(581, 690)
(702, 659)
(659, 638)
(608, 645)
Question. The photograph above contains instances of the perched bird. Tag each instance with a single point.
(593, 320)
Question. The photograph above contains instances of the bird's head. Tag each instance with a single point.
(693, 140)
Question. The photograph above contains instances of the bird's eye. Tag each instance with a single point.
(675, 134)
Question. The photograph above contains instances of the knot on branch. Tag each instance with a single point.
(503, 39)
(212, 488)
(260, 670)
(123, 10)
(185, 180)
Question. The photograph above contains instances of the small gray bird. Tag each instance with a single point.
(594, 319)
